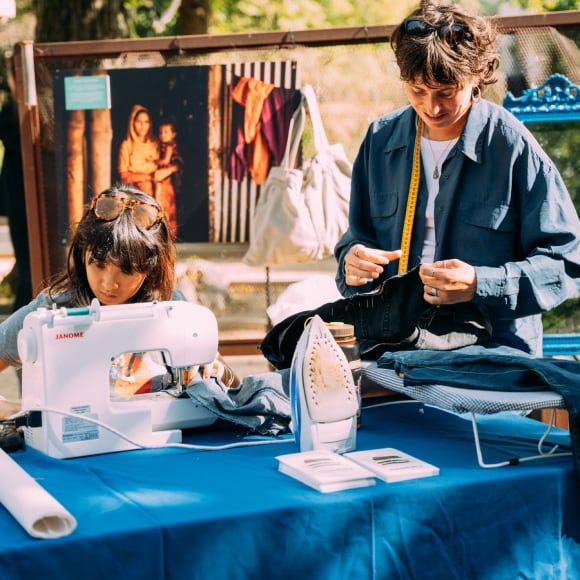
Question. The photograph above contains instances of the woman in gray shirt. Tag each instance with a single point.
(121, 252)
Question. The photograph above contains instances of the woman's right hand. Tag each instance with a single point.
(363, 265)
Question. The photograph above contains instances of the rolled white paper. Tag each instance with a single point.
(30, 504)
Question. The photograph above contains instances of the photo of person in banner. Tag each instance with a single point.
(139, 152)
(154, 136)
(169, 171)
(152, 163)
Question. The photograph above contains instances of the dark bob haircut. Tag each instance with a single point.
(121, 242)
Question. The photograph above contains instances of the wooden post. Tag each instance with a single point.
(215, 146)
(75, 165)
(101, 132)
(33, 184)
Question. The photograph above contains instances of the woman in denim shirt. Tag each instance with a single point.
(494, 223)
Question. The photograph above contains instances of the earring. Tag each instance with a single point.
(476, 94)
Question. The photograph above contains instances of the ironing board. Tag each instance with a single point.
(474, 402)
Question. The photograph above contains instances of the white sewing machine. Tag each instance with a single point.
(67, 353)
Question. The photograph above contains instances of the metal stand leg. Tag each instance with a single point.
(514, 461)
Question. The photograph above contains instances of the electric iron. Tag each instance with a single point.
(323, 395)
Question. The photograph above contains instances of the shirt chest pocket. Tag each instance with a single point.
(383, 209)
(488, 235)
(499, 218)
(383, 204)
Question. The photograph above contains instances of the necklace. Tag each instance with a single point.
(442, 157)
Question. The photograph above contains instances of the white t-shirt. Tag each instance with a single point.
(433, 154)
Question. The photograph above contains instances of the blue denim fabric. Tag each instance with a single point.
(261, 403)
(502, 207)
(494, 369)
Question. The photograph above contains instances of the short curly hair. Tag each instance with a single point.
(434, 60)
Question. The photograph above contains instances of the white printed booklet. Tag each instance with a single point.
(325, 471)
(392, 465)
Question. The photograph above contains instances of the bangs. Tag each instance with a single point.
(434, 64)
(120, 242)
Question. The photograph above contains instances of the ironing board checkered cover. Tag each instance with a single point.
(463, 400)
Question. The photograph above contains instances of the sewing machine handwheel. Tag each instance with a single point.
(27, 345)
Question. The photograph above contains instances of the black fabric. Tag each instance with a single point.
(12, 200)
(397, 318)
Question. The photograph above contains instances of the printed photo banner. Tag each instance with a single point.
(175, 132)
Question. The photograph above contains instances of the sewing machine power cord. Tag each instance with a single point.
(33, 418)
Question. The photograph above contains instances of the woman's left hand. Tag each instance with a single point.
(217, 369)
(448, 282)
(213, 369)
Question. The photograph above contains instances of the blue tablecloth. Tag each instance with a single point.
(230, 514)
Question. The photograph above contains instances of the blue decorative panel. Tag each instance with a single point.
(561, 344)
(557, 99)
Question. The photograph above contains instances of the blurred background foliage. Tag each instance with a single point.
(73, 19)
(62, 20)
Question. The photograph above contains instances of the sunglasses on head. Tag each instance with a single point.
(110, 206)
(452, 33)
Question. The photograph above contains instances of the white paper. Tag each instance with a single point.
(30, 504)
(324, 470)
(326, 487)
(392, 465)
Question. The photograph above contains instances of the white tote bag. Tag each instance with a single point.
(302, 213)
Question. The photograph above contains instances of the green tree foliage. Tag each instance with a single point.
(143, 13)
(228, 16)
(60, 20)
(565, 318)
(562, 142)
(549, 5)
(243, 15)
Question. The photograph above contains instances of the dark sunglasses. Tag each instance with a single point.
(109, 207)
(452, 33)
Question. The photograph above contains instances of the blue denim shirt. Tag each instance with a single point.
(502, 207)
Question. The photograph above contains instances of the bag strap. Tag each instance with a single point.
(320, 138)
(298, 123)
(295, 131)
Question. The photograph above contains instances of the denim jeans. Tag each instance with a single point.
(395, 318)
(261, 403)
(497, 368)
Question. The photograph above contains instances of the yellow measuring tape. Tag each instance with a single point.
(411, 200)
